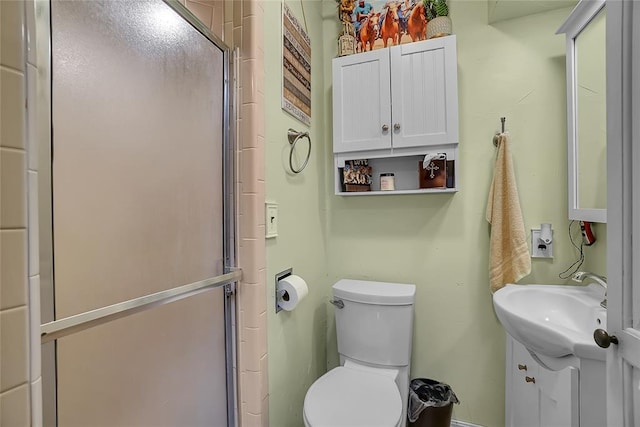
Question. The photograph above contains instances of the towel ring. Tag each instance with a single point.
(294, 136)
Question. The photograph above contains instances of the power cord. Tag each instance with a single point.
(578, 263)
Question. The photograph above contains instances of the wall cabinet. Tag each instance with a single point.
(536, 396)
(394, 105)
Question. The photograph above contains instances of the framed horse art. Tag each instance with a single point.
(382, 23)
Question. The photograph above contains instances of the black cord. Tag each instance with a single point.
(578, 263)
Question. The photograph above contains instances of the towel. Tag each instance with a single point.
(509, 258)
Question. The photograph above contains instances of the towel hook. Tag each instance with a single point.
(495, 137)
(293, 136)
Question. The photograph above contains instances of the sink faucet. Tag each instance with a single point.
(581, 276)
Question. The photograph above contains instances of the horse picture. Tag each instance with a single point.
(417, 23)
(389, 26)
(382, 23)
(368, 31)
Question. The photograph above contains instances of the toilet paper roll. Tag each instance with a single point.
(295, 289)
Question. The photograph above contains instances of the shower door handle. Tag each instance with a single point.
(337, 302)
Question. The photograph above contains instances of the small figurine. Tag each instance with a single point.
(345, 10)
(346, 40)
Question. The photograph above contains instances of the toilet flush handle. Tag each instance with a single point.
(337, 302)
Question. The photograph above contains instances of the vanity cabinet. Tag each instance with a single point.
(536, 396)
(394, 105)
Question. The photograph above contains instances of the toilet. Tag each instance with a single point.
(374, 324)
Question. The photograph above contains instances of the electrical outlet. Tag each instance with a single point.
(538, 248)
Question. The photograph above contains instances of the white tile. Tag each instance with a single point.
(203, 12)
(12, 107)
(36, 403)
(33, 227)
(11, 34)
(34, 324)
(14, 404)
(14, 351)
(13, 270)
(31, 129)
(30, 21)
(13, 190)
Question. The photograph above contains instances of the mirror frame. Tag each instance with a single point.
(577, 21)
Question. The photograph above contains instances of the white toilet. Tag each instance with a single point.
(371, 387)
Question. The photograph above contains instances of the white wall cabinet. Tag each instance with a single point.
(393, 106)
(536, 396)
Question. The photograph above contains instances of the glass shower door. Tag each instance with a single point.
(139, 118)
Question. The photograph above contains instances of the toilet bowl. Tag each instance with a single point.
(348, 396)
(370, 389)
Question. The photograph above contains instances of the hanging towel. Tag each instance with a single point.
(509, 258)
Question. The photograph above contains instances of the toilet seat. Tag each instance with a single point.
(347, 397)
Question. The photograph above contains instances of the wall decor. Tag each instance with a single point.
(296, 68)
(382, 23)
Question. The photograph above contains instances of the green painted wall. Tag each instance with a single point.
(516, 69)
(297, 339)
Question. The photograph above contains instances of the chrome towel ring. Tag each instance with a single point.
(294, 136)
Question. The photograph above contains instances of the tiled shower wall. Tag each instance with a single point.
(20, 373)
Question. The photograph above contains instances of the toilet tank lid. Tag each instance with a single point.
(368, 292)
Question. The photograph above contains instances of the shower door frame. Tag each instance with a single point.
(52, 328)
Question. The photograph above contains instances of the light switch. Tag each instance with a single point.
(271, 219)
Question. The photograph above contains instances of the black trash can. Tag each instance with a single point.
(430, 403)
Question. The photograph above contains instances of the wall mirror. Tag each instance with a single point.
(586, 111)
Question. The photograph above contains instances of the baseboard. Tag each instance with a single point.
(456, 423)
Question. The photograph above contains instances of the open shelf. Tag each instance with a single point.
(405, 166)
(399, 192)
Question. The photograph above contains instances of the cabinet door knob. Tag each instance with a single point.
(396, 126)
(522, 367)
(603, 339)
(530, 379)
(385, 128)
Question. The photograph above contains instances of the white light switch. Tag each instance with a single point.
(271, 219)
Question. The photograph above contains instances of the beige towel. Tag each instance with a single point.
(509, 258)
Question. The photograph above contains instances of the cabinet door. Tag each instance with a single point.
(558, 397)
(521, 397)
(361, 102)
(424, 91)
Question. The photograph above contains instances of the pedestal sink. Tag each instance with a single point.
(555, 321)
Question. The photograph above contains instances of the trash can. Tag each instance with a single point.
(430, 403)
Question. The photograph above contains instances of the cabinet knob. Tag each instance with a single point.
(396, 126)
(522, 367)
(603, 339)
(530, 379)
(385, 128)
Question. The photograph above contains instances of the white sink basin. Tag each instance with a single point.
(553, 320)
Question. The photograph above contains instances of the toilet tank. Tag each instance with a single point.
(376, 323)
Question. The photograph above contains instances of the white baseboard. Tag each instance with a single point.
(456, 423)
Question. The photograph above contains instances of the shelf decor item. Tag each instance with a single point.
(434, 175)
(357, 175)
(438, 21)
(347, 39)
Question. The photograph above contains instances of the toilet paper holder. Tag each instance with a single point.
(281, 293)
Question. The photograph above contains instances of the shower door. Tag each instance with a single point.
(138, 204)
